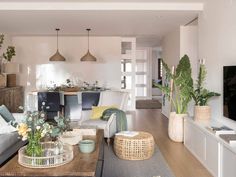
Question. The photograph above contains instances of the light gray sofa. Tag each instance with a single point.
(10, 143)
(107, 98)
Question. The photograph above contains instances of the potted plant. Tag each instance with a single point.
(2, 76)
(9, 53)
(201, 96)
(9, 66)
(179, 93)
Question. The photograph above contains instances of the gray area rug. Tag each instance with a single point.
(148, 104)
(156, 166)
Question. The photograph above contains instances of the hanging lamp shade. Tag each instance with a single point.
(88, 56)
(57, 56)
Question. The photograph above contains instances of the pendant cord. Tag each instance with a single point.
(88, 37)
(57, 29)
(88, 40)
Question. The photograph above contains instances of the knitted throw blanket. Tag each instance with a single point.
(121, 120)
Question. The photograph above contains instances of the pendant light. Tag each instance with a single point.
(88, 56)
(57, 56)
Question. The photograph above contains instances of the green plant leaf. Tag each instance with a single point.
(183, 85)
(201, 95)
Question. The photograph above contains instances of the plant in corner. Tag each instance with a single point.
(179, 93)
(201, 96)
(9, 53)
(8, 66)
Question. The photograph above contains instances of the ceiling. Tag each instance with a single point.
(102, 1)
(146, 25)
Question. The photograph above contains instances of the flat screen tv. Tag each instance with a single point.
(229, 94)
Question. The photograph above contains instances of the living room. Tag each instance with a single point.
(202, 29)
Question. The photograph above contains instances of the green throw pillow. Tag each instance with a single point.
(5, 113)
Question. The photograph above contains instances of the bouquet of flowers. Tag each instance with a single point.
(35, 127)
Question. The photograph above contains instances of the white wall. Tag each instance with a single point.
(33, 54)
(217, 45)
(171, 47)
(171, 55)
(181, 41)
(189, 46)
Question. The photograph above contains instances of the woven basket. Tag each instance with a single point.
(139, 147)
(202, 113)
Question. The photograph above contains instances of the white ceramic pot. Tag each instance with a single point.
(202, 113)
(176, 127)
(11, 68)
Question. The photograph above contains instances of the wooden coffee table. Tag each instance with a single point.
(81, 165)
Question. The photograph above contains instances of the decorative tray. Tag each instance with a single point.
(54, 154)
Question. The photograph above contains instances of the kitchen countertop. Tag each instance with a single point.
(34, 92)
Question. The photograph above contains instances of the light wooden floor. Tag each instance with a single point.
(179, 159)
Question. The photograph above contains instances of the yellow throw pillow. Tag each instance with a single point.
(97, 111)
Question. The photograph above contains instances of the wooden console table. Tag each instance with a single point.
(12, 97)
(83, 165)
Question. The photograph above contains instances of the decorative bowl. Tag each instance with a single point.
(70, 137)
(87, 146)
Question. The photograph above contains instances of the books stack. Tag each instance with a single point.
(220, 130)
(229, 138)
(86, 130)
(128, 133)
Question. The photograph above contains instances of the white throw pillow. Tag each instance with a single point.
(5, 127)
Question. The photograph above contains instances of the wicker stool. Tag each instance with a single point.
(139, 147)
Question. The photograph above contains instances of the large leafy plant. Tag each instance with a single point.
(10, 50)
(201, 95)
(181, 80)
(9, 53)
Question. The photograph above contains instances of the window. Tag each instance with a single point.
(159, 68)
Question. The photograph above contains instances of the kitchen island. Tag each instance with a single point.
(70, 104)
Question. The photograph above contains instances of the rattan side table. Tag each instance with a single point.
(139, 147)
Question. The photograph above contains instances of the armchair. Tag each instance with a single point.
(118, 98)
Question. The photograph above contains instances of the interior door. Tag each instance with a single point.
(142, 73)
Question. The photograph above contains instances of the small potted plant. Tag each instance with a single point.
(179, 93)
(9, 66)
(201, 96)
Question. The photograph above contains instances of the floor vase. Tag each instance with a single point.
(176, 127)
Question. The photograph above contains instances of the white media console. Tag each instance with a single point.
(218, 156)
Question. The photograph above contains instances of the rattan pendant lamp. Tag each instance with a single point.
(88, 56)
(57, 56)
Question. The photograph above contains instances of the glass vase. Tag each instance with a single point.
(34, 147)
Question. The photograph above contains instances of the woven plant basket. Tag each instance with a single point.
(139, 147)
(202, 113)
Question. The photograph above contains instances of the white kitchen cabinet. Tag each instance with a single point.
(228, 162)
(201, 144)
(211, 160)
(194, 141)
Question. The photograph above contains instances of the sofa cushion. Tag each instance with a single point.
(97, 111)
(100, 124)
(7, 140)
(5, 127)
(5, 113)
